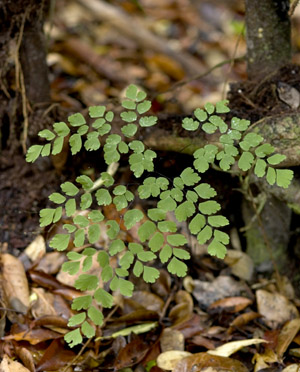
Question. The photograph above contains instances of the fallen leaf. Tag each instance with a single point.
(163, 284)
(240, 263)
(231, 304)
(15, 283)
(169, 359)
(265, 359)
(26, 357)
(134, 352)
(200, 361)
(202, 341)
(207, 293)
(51, 263)
(43, 305)
(275, 308)
(192, 326)
(137, 329)
(292, 368)
(242, 320)
(171, 339)
(33, 336)
(55, 357)
(286, 336)
(36, 249)
(8, 365)
(295, 352)
(232, 347)
(149, 300)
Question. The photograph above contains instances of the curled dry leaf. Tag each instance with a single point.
(169, 359)
(242, 320)
(263, 360)
(162, 285)
(275, 308)
(295, 352)
(240, 263)
(8, 365)
(232, 347)
(231, 304)
(43, 305)
(171, 339)
(183, 311)
(51, 262)
(149, 300)
(15, 283)
(200, 361)
(33, 336)
(207, 293)
(26, 357)
(286, 336)
(292, 368)
(36, 249)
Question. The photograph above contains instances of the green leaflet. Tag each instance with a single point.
(177, 267)
(60, 242)
(132, 217)
(150, 274)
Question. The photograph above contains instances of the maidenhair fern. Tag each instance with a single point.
(186, 196)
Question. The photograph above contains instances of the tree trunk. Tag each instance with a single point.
(268, 36)
(22, 22)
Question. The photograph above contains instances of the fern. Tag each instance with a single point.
(186, 196)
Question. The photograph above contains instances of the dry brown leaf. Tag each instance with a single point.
(295, 352)
(165, 64)
(149, 300)
(33, 336)
(241, 320)
(203, 341)
(240, 263)
(169, 359)
(223, 286)
(163, 284)
(292, 368)
(15, 283)
(200, 361)
(8, 365)
(180, 313)
(26, 357)
(231, 304)
(286, 336)
(275, 308)
(36, 249)
(232, 347)
(43, 304)
(51, 262)
(171, 339)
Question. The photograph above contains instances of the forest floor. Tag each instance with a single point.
(225, 315)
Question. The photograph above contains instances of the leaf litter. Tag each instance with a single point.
(215, 320)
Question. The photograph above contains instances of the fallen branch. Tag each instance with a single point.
(134, 29)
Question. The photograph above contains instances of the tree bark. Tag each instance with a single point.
(268, 36)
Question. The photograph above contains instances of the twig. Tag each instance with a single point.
(135, 30)
(24, 110)
(111, 170)
(20, 84)
(204, 74)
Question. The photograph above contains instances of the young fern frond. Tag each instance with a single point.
(188, 198)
